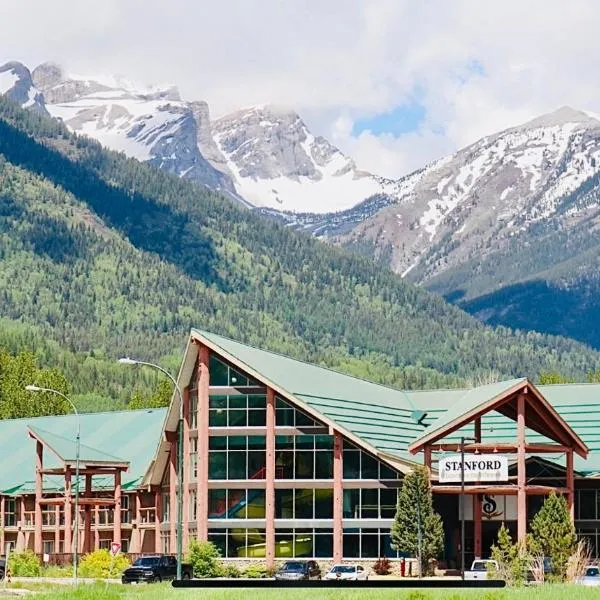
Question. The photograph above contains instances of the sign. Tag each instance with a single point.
(115, 548)
(493, 508)
(478, 467)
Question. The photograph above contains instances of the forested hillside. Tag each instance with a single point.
(102, 256)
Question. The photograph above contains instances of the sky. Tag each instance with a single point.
(393, 83)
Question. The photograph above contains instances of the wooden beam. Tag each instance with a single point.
(499, 490)
(502, 448)
(82, 501)
(521, 471)
(242, 390)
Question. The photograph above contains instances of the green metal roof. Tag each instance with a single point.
(133, 434)
(66, 449)
(382, 416)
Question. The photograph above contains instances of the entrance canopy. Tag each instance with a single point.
(503, 397)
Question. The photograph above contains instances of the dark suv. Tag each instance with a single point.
(296, 570)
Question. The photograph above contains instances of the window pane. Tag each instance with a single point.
(284, 442)
(256, 464)
(351, 462)
(305, 465)
(217, 465)
(284, 543)
(305, 442)
(284, 417)
(236, 504)
(257, 442)
(257, 401)
(386, 472)
(351, 548)
(217, 418)
(238, 418)
(237, 442)
(324, 465)
(284, 504)
(218, 372)
(217, 504)
(324, 442)
(284, 465)
(257, 418)
(370, 546)
(236, 378)
(237, 465)
(217, 402)
(370, 503)
(304, 504)
(388, 500)
(303, 420)
(237, 402)
(587, 504)
(217, 442)
(323, 544)
(369, 466)
(323, 504)
(303, 543)
(351, 504)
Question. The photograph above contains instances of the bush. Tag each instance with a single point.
(382, 566)
(100, 564)
(256, 571)
(205, 559)
(232, 571)
(513, 559)
(24, 564)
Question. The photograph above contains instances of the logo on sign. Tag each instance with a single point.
(115, 548)
(478, 467)
(489, 507)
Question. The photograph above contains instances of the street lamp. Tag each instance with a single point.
(462, 502)
(35, 388)
(131, 361)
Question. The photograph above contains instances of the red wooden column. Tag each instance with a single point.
(138, 520)
(270, 480)
(521, 491)
(571, 485)
(87, 511)
(117, 513)
(186, 471)
(157, 520)
(96, 527)
(57, 529)
(39, 465)
(202, 491)
(427, 456)
(173, 495)
(68, 516)
(338, 497)
(477, 534)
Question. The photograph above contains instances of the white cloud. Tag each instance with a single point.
(335, 61)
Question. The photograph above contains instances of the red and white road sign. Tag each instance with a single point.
(115, 548)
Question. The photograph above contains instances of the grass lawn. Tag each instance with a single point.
(166, 592)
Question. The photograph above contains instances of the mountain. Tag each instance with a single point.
(17, 84)
(265, 156)
(507, 227)
(108, 256)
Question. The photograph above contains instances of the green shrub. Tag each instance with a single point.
(256, 571)
(232, 571)
(100, 564)
(513, 559)
(205, 559)
(25, 564)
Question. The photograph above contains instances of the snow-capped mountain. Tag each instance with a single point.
(152, 125)
(16, 83)
(264, 156)
(278, 163)
(472, 202)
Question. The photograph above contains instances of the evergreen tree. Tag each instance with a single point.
(417, 529)
(512, 558)
(553, 534)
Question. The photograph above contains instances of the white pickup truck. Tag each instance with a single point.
(479, 569)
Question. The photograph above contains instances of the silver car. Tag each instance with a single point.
(591, 576)
(347, 572)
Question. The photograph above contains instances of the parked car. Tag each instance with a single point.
(297, 570)
(591, 576)
(347, 572)
(155, 568)
(479, 569)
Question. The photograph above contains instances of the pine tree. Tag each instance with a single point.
(553, 534)
(417, 529)
(512, 558)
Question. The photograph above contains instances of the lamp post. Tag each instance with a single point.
(462, 503)
(35, 388)
(131, 361)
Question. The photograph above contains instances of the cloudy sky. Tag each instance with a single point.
(394, 83)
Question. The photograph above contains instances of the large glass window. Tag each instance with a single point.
(193, 459)
(236, 457)
(236, 504)
(304, 504)
(194, 409)
(222, 374)
(303, 542)
(288, 416)
(360, 465)
(10, 518)
(238, 411)
(193, 504)
(367, 543)
(375, 503)
(586, 505)
(239, 543)
(165, 507)
(304, 457)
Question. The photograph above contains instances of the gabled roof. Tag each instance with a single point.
(381, 418)
(540, 416)
(130, 433)
(66, 449)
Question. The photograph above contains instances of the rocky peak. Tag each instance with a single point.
(17, 84)
(562, 116)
